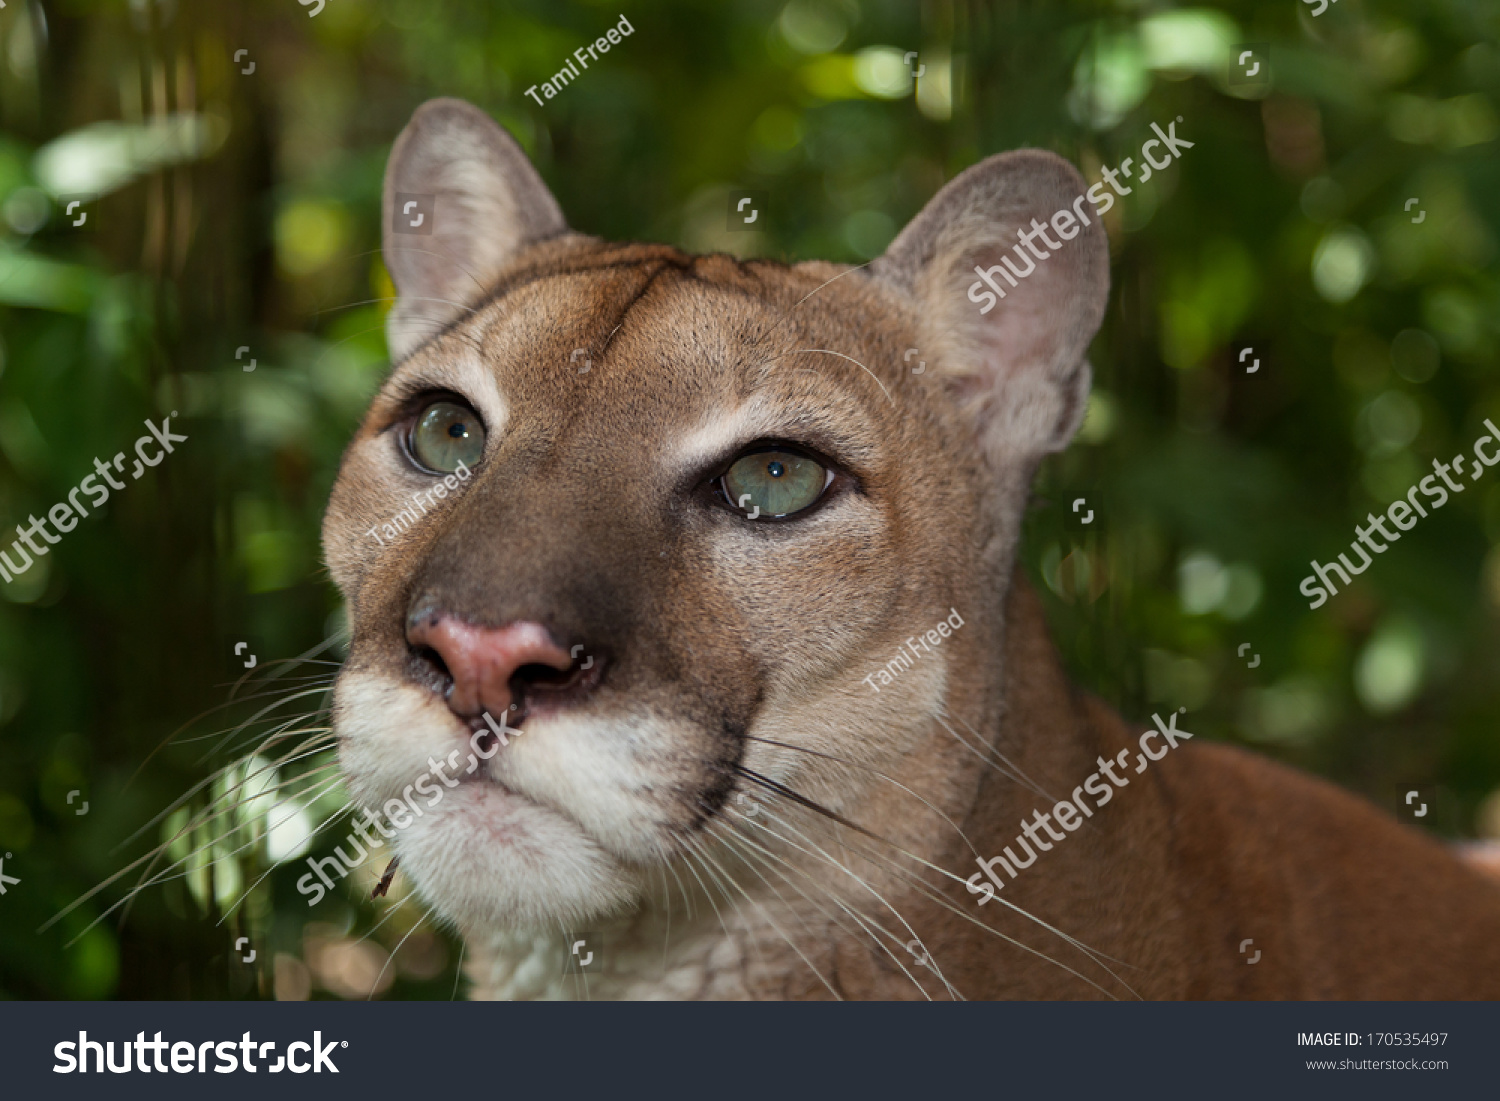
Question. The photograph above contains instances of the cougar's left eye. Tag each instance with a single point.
(778, 483)
(445, 435)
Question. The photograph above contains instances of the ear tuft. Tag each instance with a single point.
(461, 200)
(1007, 303)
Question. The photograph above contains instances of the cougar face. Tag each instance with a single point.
(692, 506)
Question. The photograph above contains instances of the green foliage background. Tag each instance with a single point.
(242, 210)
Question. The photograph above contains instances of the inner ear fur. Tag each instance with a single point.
(488, 203)
(1019, 366)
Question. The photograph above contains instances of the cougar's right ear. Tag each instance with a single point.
(483, 202)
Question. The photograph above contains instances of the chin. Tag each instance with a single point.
(485, 858)
(481, 856)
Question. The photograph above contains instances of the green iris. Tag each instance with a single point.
(778, 483)
(447, 434)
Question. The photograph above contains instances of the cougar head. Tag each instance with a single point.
(667, 516)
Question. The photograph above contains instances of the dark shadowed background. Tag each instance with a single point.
(1331, 218)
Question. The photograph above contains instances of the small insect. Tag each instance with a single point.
(379, 890)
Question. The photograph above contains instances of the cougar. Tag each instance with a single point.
(689, 597)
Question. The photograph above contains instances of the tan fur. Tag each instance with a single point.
(732, 644)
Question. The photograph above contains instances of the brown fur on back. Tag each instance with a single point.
(1215, 847)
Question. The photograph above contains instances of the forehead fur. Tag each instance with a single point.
(710, 316)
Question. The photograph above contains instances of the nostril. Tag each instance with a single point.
(427, 667)
(543, 675)
(433, 658)
(535, 684)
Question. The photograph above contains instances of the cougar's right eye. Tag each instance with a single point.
(446, 434)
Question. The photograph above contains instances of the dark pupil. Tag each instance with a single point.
(775, 470)
(457, 430)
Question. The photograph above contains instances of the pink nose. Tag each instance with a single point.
(482, 660)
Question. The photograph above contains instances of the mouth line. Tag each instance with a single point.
(484, 745)
(484, 777)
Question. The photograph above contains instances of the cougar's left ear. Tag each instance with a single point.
(1008, 268)
(482, 202)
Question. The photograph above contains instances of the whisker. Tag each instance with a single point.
(996, 751)
(766, 855)
(300, 694)
(1002, 770)
(787, 315)
(787, 793)
(730, 839)
(374, 986)
(197, 823)
(841, 355)
(666, 893)
(862, 882)
(202, 822)
(687, 902)
(801, 800)
(147, 857)
(207, 781)
(478, 286)
(264, 674)
(707, 894)
(918, 884)
(790, 943)
(458, 973)
(1092, 954)
(168, 740)
(863, 920)
(876, 772)
(246, 893)
(709, 864)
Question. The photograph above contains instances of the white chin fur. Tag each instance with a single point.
(480, 856)
(485, 858)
